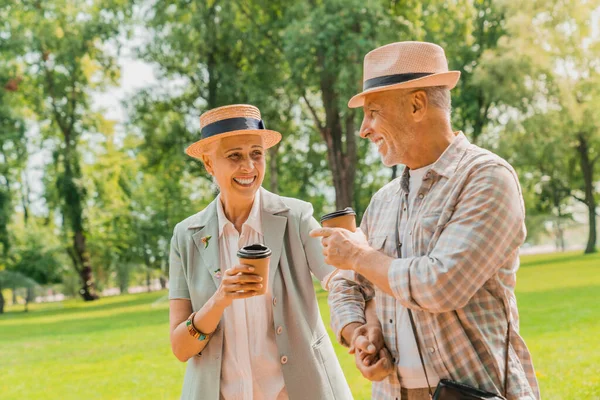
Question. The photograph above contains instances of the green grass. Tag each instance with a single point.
(118, 348)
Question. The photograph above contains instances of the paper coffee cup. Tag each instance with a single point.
(258, 256)
(345, 218)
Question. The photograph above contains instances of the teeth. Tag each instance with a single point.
(244, 181)
(378, 142)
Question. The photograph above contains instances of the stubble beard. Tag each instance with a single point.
(398, 154)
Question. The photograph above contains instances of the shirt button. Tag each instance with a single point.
(279, 330)
(410, 232)
(284, 359)
(274, 301)
(432, 349)
(399, 244)
(404, 209)
(421, 195)
(391, 321)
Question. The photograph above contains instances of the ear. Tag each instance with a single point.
(419, 105)
(208, 164)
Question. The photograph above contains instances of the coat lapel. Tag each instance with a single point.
(273, 227)
(273, 224)
(208, 225)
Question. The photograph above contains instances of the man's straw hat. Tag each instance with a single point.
(404, 65)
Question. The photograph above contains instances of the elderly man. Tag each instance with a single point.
(440, 243)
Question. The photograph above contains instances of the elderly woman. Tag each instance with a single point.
(238, 344)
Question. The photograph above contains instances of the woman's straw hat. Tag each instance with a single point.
(404, 65)
(226, 121)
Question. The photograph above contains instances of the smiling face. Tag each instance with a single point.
(389, 123)
(238, 165)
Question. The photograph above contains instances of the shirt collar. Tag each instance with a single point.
(447, 163)
(253, 221)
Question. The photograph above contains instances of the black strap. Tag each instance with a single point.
(231, 124)
(414, 327)
(392, 79)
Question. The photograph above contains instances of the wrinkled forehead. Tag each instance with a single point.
(385, 98)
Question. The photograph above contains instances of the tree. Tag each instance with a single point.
(559, 83)
(546, 185)
(324, 44)
(35, 263)
(66, 52)
(13, 149)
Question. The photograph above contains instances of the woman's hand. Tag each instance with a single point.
(371, 356)
(238, 282)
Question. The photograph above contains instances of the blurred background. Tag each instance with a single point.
(99, 98)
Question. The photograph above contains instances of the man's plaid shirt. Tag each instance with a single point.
(466, 227)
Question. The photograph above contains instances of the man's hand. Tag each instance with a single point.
(341, 247)
(381, 369)
(371, 357)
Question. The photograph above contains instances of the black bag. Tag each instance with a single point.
(450, 390)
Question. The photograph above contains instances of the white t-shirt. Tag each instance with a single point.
(410, 370)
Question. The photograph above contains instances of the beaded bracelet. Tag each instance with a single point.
(195, 333)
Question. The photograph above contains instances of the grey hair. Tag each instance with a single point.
(439, 96)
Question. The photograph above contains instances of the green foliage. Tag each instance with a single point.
(529, 90)
(36, 261)
(13, 152)
(62, 51)
(551, 93)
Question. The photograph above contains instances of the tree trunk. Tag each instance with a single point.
(71, 192)
(591, 243)
(587, 168)
(25, 198)
(2, 302)
(148, 278)
(342, 162)
(87, 291)
(123, 277)
(273, 170)
(559, 233)
(72, 196)
(211, 63)
(28, 297)
(5, 214)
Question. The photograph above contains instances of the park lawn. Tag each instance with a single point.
(118, 347)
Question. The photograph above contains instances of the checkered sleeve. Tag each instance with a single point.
(347, 298)
(485, 229)
(346, 303)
